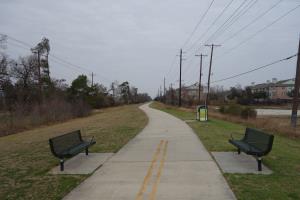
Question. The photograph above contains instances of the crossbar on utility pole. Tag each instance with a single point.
(296, 91)
(209, 73)
(200, 75)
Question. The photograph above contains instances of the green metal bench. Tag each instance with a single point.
(255, 143)
(69, 145)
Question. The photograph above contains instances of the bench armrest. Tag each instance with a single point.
(92, 140)
(89, 139)
(231, 136)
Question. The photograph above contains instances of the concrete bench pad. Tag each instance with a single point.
(232, 162)
(82, 164)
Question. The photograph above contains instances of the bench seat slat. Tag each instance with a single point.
(248, 149)
(75, 150)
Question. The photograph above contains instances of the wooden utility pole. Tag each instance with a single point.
(160, 92)
(39, 69)
(37, 52)
(172, 94)
(39, 75)
(180, 65)
(92, 79)
(113, 89)
(209, 73)
(200, 75)
(164, 89)
(296, 91)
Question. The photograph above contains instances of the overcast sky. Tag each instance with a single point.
(137, 40)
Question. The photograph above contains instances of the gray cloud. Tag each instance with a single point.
(136, 40)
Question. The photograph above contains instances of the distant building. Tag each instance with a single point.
(191, 92)
(275, 90)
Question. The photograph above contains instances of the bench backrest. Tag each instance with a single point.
(259, 139)
(66, 141)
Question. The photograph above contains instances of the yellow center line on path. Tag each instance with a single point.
(149, 173)
(158, 175)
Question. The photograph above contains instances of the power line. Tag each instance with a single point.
(52, 60)
(198, 24)
(188, 66)
(56, 61)
(68, 63)
(67, 66)
(260, 30)
(233, 14)
(229, 18)
(50, 55)
(216, 19)
(242, 12)
(16, 40)
(255, 69)
(253, 21)
(54, 57)
(171, 66)
(18, 45)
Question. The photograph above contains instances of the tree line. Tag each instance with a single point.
(219, 96)
(29, 96)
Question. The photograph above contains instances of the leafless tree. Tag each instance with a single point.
(24, 71)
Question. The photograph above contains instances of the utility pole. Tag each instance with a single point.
(296, 91)
(93, 79)
(180, 66)
(37, 52)
(200, 75)
(209, 73)
(113, 89)
(172, 94)
(164, 89)
(160, 92)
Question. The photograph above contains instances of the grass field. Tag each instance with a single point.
(284, 159)
(26, 158)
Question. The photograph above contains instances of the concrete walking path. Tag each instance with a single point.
(166, 161)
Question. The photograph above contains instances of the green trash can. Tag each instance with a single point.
(201, 113)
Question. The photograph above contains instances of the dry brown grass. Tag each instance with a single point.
(25, 117)
(26, 157)
(279, 125)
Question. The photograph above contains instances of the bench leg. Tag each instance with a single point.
(62, 167)
(259, 164)
(239, 151)
(87, 151)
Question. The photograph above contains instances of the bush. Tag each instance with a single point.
(234, 109)
(237, 110)
(222, 109)
(23, 117)
(248, 113)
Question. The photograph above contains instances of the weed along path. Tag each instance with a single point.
(166, 161)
